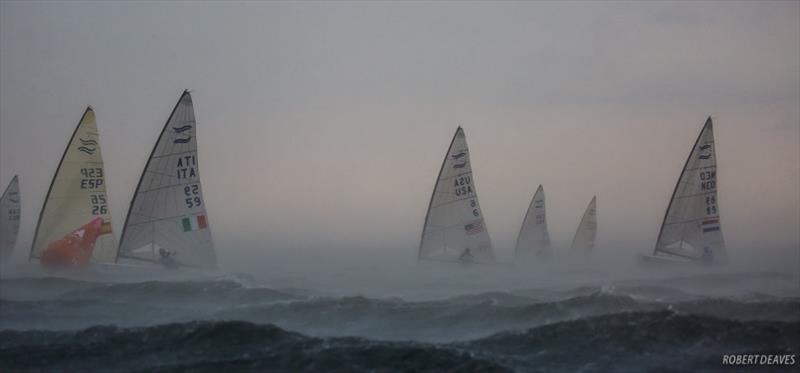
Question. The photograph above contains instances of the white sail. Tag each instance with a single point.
(533, 238)
(167, 210)
(454, 225)
(9, 219)
(587, 229)
(77, 194)
(691, 227)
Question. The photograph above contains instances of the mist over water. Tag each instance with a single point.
(321, 128)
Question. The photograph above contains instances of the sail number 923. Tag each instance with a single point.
(91, 178)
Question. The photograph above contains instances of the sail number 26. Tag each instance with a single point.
(192, 194)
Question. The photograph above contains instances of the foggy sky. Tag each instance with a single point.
(322, 127)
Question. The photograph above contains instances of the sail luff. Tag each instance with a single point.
(433, 193)
(52, 181)
(678, 183)
(144, 171)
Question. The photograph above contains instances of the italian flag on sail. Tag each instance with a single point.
(193, 223)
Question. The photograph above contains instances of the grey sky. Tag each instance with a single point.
(322, 125)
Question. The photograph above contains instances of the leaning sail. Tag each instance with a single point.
(9, 219)
(77, 195)
(167, 210)
(533, 239)
(691, 227)
(587, 229)
(454, 226)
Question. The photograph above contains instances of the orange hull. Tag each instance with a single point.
(74, 249)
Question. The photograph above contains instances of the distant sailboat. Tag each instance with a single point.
(167, 221)
(455, 230)
(587, 229)
(9, 219)
(691, 229)
(533, 239)
(74, 226)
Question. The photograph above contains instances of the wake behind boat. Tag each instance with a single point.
(455, 230)
(691, 231)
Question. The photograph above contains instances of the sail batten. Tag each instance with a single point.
(167, 214)
(10, 203)
(691, 227)
(454, 227)
(77, 195)
(533, 238)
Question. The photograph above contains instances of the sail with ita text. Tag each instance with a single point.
(167, 222)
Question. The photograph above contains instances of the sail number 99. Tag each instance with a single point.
(192, 193)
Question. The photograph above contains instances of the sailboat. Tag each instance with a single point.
(587, 229)
(533, 239)
(455, 229)
(691, 231)
(9, 219)
(74, 225)
(167, 221)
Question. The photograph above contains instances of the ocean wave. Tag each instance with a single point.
(627, 341)
(79, 304)
(220, 346)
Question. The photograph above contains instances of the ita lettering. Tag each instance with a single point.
(91, 178)
(187, 167)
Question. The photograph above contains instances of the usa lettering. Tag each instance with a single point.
(463, 185)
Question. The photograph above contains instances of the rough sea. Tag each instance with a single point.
(432, 320)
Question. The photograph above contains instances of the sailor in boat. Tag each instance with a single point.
(166, 259)
(466, 257)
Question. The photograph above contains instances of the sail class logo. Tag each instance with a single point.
(474, 227)
(87, 146)
(182, 129)
(705, 151)
(194, 223)
(460, 160)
